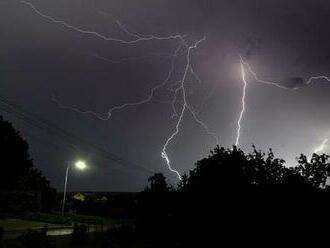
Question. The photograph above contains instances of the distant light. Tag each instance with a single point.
(80, 165)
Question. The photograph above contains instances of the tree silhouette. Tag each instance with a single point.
(316, 172)
(231, 169)
(15, 160)
(157, 184)
(231, 196)
(17, 171)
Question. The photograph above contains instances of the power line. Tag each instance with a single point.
(67, 137)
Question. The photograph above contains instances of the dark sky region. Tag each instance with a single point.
(283, 41)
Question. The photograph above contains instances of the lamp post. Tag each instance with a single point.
(80, 165)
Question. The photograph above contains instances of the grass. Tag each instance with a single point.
(56, 218)
(10, 224)
(38, 220)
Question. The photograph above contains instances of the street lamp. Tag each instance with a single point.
(80, 165)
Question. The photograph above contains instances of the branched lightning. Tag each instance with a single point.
(108, 115)
(124, 60)
(203, 125)
(179, 91)
(185, 106)
(245, 66)
(279, 85)
(136, 37)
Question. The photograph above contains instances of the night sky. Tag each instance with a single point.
(283, 41)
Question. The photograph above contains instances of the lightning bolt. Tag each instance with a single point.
(321, 147)
(245, 67)
(242, 101)
(136, 38)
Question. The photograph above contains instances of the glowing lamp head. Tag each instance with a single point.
(80, 165)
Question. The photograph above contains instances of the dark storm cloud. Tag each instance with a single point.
(295, 82)
(251, 45)
(325, 59)
(39, 58)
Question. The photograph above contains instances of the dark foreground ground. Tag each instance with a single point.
(91, 241)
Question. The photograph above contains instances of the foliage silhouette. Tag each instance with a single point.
(18, 174)
(316, 171)
(232, 196)
(157, 184)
